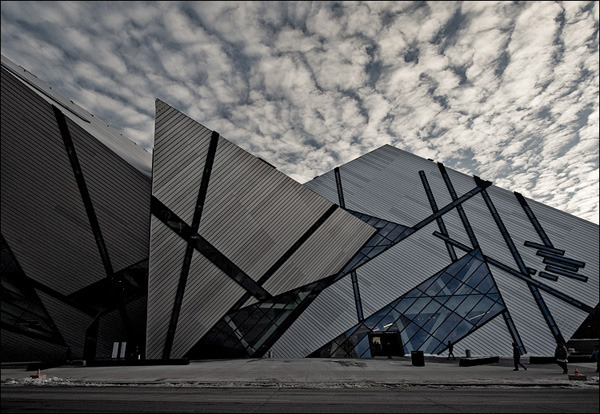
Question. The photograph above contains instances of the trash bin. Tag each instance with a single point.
(417, 358)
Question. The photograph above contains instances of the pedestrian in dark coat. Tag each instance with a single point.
(561, 354)
(451, 350)
(517, 357)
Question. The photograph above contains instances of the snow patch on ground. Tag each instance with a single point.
(592, 382)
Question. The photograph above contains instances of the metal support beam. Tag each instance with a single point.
(355, 287)
(92, 218)
(187, 260)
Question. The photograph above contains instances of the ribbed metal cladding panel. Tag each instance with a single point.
(331, 313)
(577, 237)
(566, 317)
(43, 216)
(181, 145)
(209, 294)
(324, 254)
(528, 319)
(121, 198)
(71, 323)
(485, 229)
(490, 340)
(396, 193)
(167, 251)
(253, 213)
(16, 347)
(456, 229)
(325, 186)
(401, 268)
(566, 232)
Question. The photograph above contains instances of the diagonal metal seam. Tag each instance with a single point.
(204, 247)
(481, 186)
(25, 284)
(434, 209)
(355, 286)
(459, 208)
(533, 219)
(187, 260)
(546, 314)
(91, 214)
(510, 325)
(289, 253)
(307, 234)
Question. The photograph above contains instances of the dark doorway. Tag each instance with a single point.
(386, 344)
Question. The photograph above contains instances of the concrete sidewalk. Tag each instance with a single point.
(309, 373)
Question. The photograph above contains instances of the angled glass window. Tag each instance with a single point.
(250, 331)
(444, 307)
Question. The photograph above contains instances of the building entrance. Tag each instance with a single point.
(386, 344)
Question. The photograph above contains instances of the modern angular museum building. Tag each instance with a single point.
(202, 250)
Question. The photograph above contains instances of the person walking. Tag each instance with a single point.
(561, 354)
(451, 350)
(517, 357)
(595, 356)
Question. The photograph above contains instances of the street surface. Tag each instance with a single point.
(408, 399)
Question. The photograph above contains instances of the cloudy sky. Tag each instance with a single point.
(508, 91)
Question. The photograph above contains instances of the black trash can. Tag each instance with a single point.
(418, 359)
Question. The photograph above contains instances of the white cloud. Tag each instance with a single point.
(504, 90)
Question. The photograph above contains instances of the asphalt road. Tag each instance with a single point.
(250, 400)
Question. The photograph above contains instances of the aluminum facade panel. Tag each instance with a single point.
(333, 308)
(253, 213)
(71, 322)
(490, 340)
(166, 259)
(578, 238)
(525, 313)
(121, 198)
(17, 347)
(259, 219)
(209, 294)
(324, 253)
(401, 268)
(179, 154)
(43, 216)
(567, 318)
